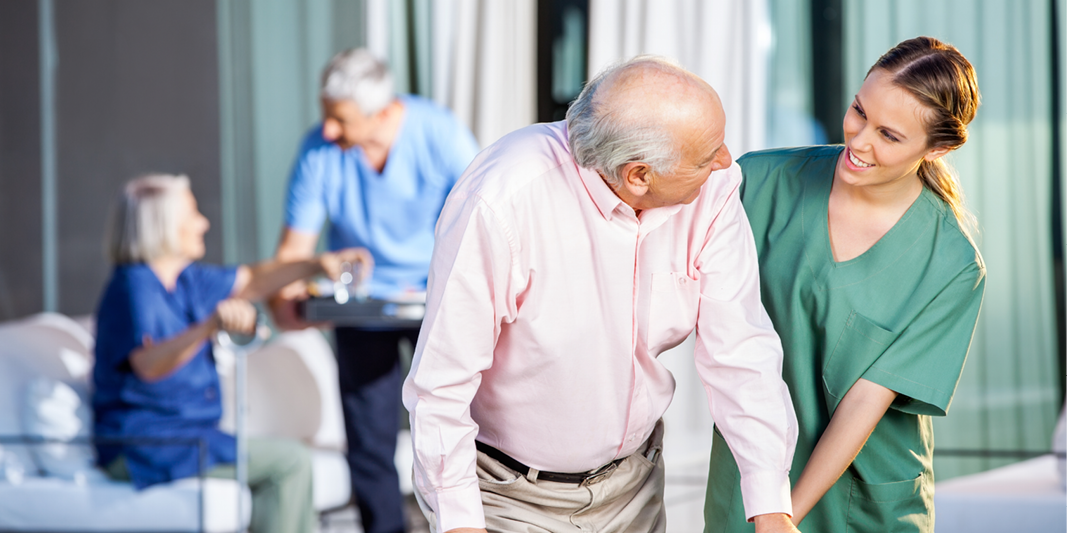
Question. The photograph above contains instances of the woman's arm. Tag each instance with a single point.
(298, 246)
(153, 361)
(852, 423)
(258, 281)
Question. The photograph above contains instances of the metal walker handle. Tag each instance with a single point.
(240, 352)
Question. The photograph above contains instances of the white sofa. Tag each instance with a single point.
(53, 487)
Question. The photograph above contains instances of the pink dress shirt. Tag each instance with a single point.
(548, 303)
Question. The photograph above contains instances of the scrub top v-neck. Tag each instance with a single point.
(901, 315)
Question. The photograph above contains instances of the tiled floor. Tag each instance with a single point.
(347, 520)
(684, 497)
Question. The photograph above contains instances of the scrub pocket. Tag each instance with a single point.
(898, 507)
(859, 346)
(672, 311)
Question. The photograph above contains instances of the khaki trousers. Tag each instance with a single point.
(630, 499)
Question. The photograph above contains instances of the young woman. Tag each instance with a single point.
(874, 285)
(155, 375)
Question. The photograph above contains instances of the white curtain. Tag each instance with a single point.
(1008, 396)
(481, 57)
(726, 42)
(485, 63)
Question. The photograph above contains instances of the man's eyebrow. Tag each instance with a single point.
(711, 157)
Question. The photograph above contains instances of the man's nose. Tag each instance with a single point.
(330, 129)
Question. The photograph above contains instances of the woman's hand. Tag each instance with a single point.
(236, 315)
(155, 360)
(851, 424)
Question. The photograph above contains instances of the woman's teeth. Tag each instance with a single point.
(855, 161)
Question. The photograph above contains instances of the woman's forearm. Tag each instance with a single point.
(154, 361)
(268, 277)
(852, 423)
(261, 280)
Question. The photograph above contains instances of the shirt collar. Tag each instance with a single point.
(608, 202)
(603, 197)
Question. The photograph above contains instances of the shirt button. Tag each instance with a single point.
(209, 393)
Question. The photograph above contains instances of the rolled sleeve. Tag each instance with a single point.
(925, 363)
(739, 359)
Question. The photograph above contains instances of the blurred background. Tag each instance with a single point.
(95, 92)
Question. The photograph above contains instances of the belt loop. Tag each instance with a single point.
(532, 474)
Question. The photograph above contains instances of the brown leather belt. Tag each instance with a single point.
(559, 477)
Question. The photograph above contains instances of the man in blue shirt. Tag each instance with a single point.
(378, 169)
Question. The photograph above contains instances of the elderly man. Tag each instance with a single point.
(568, 257)
(378, 169)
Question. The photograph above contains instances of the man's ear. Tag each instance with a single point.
(636, 178)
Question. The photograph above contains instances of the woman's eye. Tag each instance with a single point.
(889, 136)
(859, 111)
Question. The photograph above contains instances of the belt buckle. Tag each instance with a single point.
(600, 474)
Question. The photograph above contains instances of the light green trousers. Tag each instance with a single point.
(279, 474)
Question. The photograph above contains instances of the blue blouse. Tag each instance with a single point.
(186, 404)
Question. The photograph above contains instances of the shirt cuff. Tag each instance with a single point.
(766, 492)
(460, 507)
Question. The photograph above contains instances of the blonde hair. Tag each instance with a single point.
(945, 83)
(144, 221)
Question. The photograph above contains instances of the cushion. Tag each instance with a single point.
(54, 410)
(12, 467)
(49, 345)
(331, 485)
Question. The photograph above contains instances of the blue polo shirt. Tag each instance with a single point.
(392, 213)
(184, 405)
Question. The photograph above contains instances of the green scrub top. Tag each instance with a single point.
(901, 315)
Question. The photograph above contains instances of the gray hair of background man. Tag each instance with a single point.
(604, 139)
(144, 222)
(357, 75)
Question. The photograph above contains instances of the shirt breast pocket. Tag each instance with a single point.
(672, 311)
(861, 344)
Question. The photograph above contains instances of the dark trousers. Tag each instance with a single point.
(368, 365)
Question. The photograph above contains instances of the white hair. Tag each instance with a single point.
(358, 76)
(604, 139)
(145, 221)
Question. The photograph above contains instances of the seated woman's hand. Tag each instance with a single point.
(359, 258)
(236, 315)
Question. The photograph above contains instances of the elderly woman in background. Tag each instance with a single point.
(155, 371)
